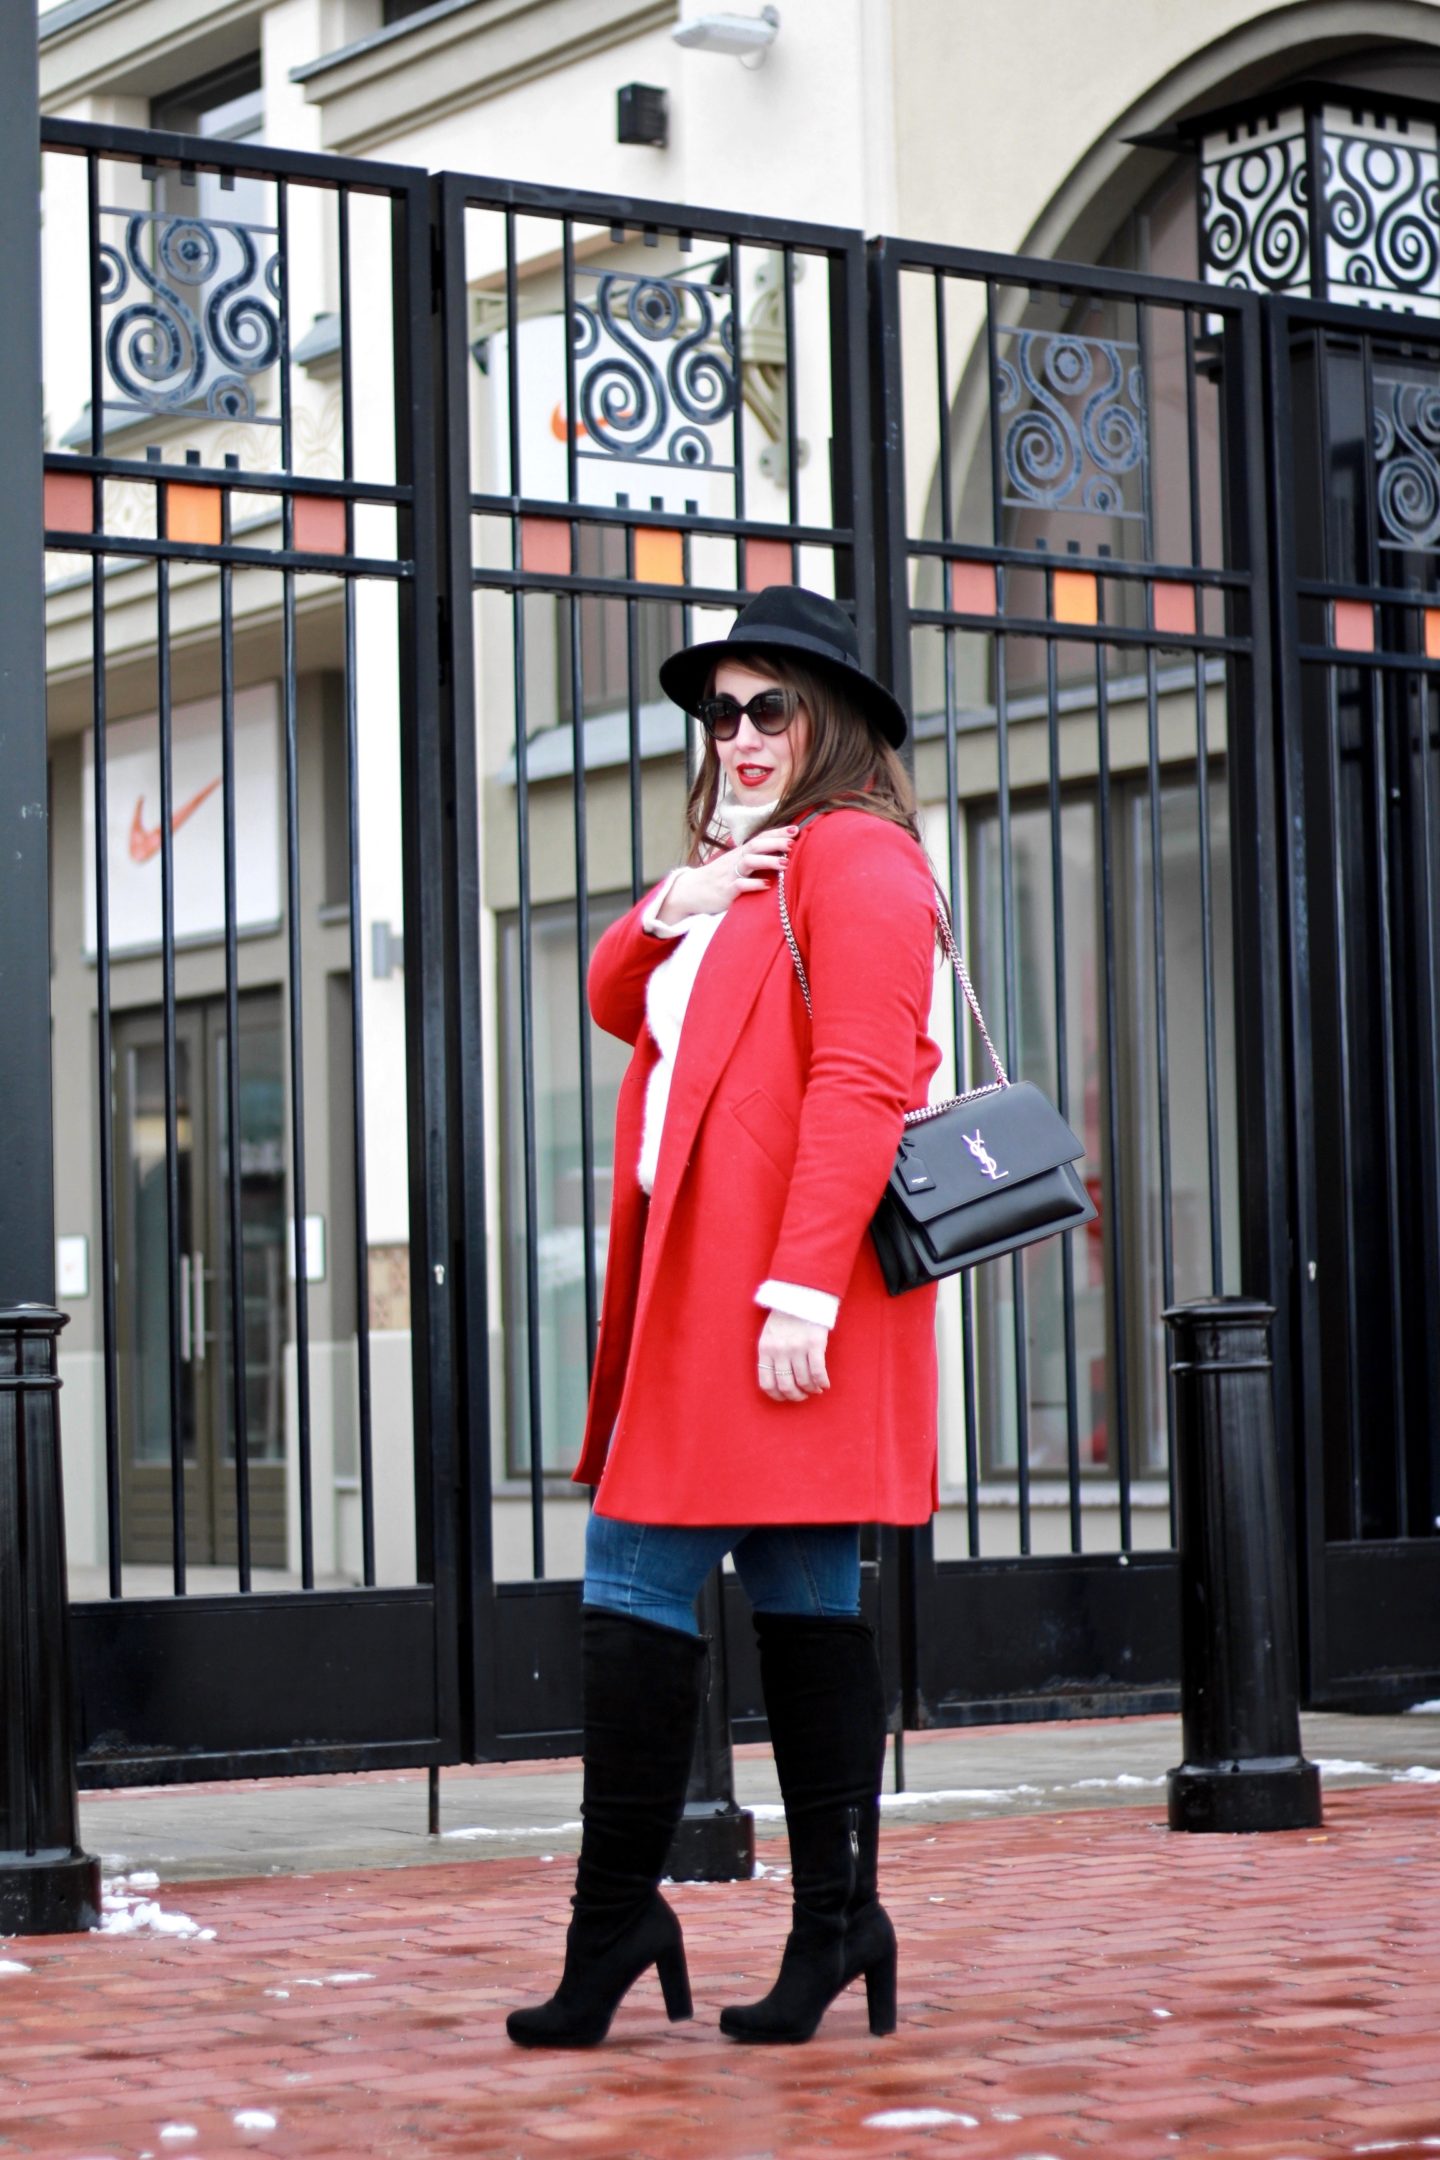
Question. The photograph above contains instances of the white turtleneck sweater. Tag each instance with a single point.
(666, 997)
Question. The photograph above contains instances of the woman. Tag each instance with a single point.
(755, 1390)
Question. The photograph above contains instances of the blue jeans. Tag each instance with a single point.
(654, 1571)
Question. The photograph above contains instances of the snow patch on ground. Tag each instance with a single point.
(1340, 1766)
(545, 1830)
(919, 2119)
(255, 2119)
(955, 1792)
(345, 1979)
(1416, 1709)
(1127, 1781)
(125, 1912)
(12, 1965)
(177, 2133)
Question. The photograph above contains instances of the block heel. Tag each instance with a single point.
(675, 1984)
(880, 1994)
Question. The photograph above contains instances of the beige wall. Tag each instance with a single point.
(1048, 90)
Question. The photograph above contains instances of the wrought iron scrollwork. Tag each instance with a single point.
(1406, 434)
(1254, 216)
(1329, 202)
(192, 314)
(656, 368)
(1382, 199)
(1073, 426)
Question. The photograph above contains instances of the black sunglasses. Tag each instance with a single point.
(771, 711)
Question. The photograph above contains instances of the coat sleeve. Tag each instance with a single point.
(864, 914)
(625, 959)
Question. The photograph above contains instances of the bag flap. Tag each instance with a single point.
(978, 1148)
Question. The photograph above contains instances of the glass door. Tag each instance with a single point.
(253, 1397)
(162, 1316)
(214, 1393)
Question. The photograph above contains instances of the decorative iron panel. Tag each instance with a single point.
(657, 366)
(1381, 196)
(1254, 209)
(1406, 416)
(192, 314)
(1073, 430)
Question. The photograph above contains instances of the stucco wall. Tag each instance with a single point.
(1012, 114)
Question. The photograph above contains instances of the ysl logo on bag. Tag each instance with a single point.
(982, 1155)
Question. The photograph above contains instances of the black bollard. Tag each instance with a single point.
(1239, 1700)
(715, 1841)
(48, 1886)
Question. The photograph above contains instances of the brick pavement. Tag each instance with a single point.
(1071, 1985)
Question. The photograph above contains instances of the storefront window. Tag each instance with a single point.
(1126, 1184)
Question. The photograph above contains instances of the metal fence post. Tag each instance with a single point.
(1240, 1708)
(47, 1885)
(715, 1841)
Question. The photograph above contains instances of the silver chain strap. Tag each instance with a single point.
(956, 959)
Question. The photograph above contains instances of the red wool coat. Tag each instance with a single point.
(777, 1143)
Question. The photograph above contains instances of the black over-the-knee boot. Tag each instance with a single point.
(825, 1703)
(641, 1702)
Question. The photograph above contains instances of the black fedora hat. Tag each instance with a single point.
(789, 623)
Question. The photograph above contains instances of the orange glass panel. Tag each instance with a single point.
(1432, 633)
(69, 502)
(1354, 629)
(767, 562)
(1174, 607)
(319, 524)
(1077, 596)
(545, 545)
(659, 556)
(193, 514)
(972, 588)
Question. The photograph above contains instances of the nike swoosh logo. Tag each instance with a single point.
(145, 840)
(560, 429)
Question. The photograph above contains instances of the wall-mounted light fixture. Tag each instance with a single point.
(643, 115)
(745, 37)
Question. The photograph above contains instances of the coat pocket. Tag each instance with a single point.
(770, 1126)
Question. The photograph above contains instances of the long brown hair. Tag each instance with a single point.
(846, 765)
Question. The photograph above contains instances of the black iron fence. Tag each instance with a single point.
(389, 497)
(1073, 609)
(243, 534)
(630, 452)
(1354, 408)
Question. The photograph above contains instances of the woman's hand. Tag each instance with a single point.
(791, 1358)
(708, 888)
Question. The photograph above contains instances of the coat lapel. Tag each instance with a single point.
(741, 955)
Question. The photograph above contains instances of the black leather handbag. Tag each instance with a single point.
(980, 1175)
